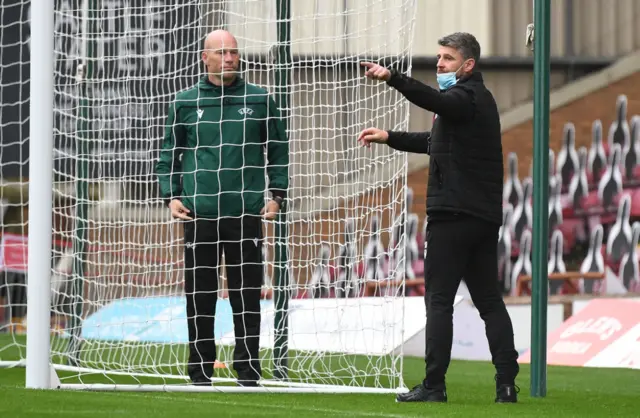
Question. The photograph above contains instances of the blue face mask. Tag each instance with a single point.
(446, 80)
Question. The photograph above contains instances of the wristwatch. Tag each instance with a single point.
(278, 200)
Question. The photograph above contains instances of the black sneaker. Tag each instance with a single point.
(507, 394)
(422, 394)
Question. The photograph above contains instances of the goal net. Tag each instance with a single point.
(333, 311)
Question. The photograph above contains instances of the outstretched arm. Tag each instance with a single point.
(417, 142)
(455, 103)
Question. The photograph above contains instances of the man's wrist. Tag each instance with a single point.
(391, 138)
(392, 73)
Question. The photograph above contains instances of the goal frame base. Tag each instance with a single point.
(12, 364)
(228, 389)
(266, 386)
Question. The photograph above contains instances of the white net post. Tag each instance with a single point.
(118, 268)
(40, 196)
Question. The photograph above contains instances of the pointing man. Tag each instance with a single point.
(464, 208)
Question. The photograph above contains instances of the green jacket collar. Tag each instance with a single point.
(205, 84)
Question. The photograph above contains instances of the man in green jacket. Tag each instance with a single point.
(211, 172)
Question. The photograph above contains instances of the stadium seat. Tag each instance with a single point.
(567, 162)
(512, 190)
(522, 266)
(555, 203)
(619, 133)
(593, 262)
(523, 212)
(579, 184)
(619, 236)
(631, 156)
(629, 273)
(556, 262)
(597, 154)
(610, 185)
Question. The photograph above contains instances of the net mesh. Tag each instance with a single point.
(118, 267)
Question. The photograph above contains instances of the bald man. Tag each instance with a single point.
(211, 172)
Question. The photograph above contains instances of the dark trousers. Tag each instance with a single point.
(465, 247)
(240, 239)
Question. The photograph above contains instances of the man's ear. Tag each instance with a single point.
(469, 65)
(203, 59)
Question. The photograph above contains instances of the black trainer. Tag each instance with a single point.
(422, 394)
(507, 394)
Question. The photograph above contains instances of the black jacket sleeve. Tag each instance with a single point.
(457, 103)
(418, 142)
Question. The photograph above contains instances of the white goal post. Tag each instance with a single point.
(108, 313)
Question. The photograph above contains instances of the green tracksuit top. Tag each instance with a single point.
(213, 153)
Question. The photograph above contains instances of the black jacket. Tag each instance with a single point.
(466, 166)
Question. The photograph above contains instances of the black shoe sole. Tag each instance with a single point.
(434, 399)
(422, 401)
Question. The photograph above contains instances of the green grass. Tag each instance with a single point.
(572, 392)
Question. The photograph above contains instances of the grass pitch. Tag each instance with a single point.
(572, 392)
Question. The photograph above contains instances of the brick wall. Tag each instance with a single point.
(582, 113)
